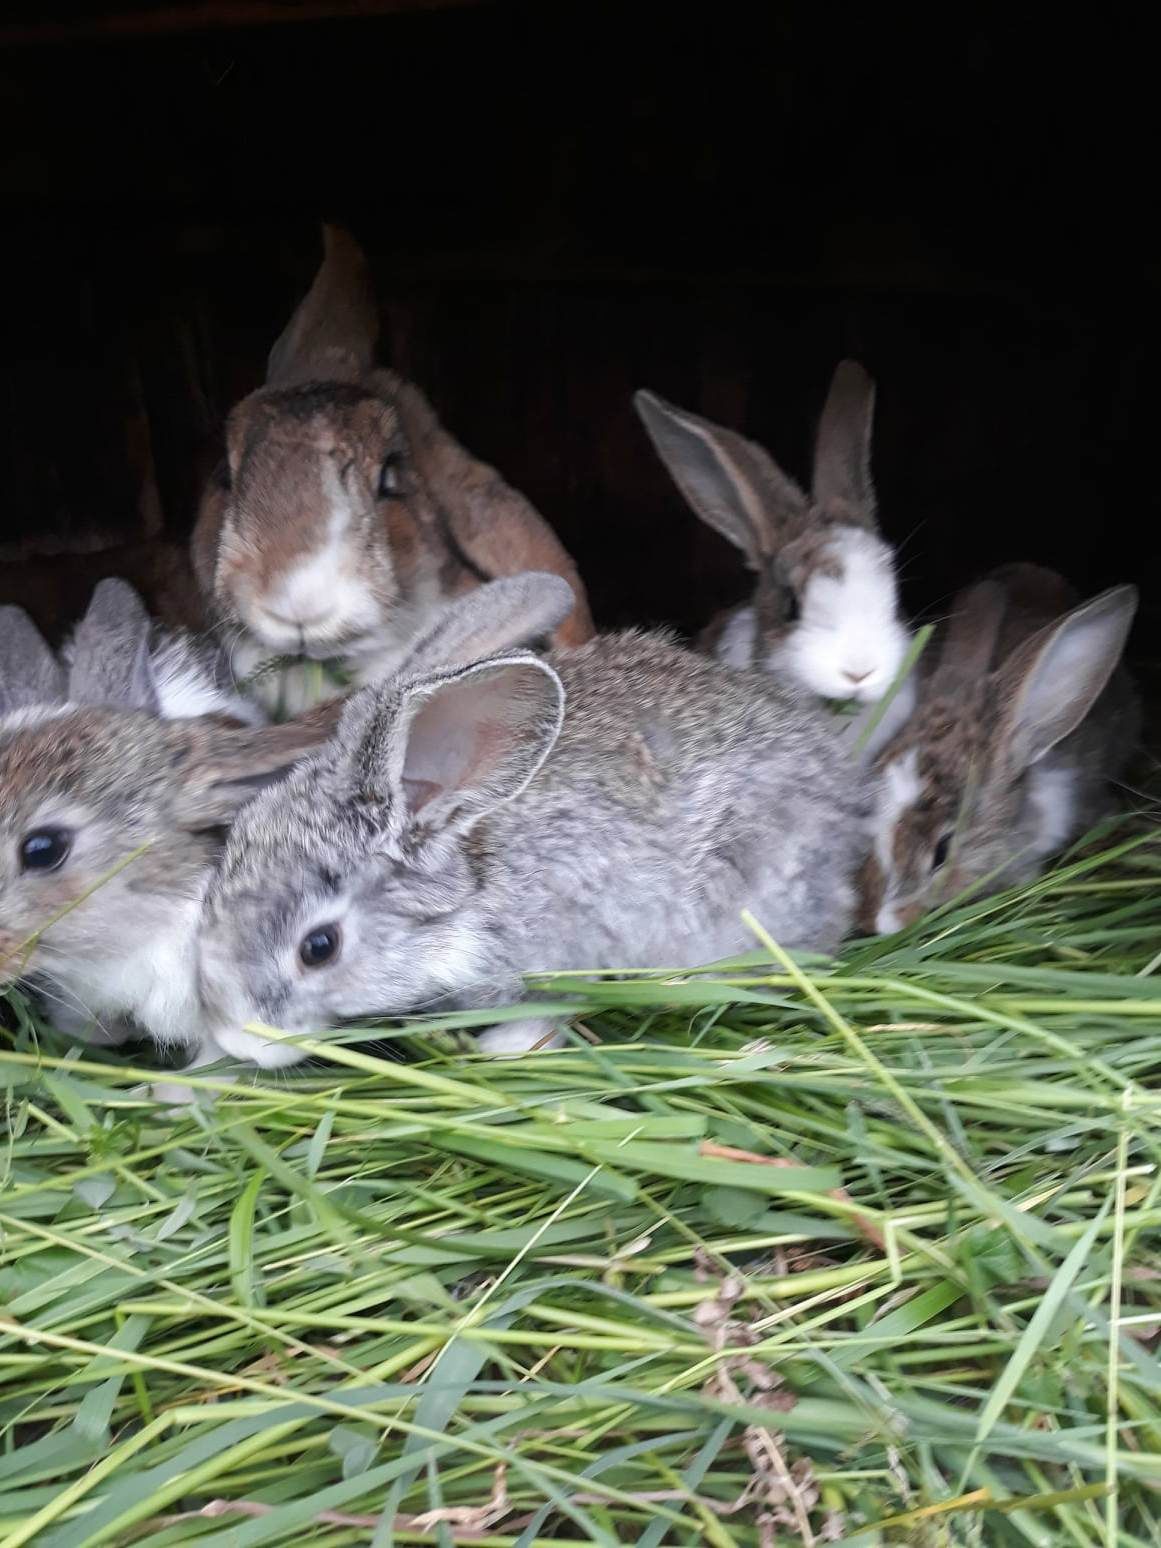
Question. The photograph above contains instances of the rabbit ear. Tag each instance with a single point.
(489, 526)
(732, 484)
(109, 652)
(30, 674)
(443, 751)
(971, 637)
(515, 611)
(218, 768)
(842, 454)
(1055, 680)
(332, 335)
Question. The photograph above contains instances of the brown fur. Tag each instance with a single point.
(971, 782)
(454, 523)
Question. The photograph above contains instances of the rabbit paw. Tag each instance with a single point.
(517, 1037)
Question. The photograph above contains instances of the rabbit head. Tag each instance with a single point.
(352, 893)
(110, 817)
(825, 608)
(1007, 757)
(344, 516)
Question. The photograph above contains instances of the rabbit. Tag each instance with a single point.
(344, 517)
(1022, 721)
(111, 816)
(617, 804)
(825, 608)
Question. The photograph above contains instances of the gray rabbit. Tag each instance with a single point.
(111, 814)
(615, 805)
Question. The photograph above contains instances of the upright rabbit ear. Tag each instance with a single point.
(732, 484)
(434, 756)
(30, 674)
(217, 769)
(109, 653)
(970, 637)
(842, 453)
(505, 614)
(332, 335)
(1055, 679)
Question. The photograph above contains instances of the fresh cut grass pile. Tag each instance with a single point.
(794, 1252)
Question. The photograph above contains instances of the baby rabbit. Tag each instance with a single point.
(344, 517)
(1020, 726)
(110, 816)
(616, 805)
(825, 609)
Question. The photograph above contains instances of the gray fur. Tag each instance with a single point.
(503, 614)
(107, 938)
(110, 651)
(676, 794)
(29, 672)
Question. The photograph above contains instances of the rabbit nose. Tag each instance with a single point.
(858, 677)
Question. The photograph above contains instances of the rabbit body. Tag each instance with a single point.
(674, 794)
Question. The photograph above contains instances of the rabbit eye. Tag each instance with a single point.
(320, 947)
(46, 849)
(390, 482)
(790, 608)
(942, 849)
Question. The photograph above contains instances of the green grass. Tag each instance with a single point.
(565, 1299)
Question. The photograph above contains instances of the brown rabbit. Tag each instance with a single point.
(344, 518)
(1021, 723)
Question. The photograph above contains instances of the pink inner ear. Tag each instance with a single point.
(419, 792)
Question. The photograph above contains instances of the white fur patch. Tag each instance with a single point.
(1052, 794)
(33, 715)
(156, 983)
(849, 641)
(517, 1037)
(735, 644)
(186, 687)
(325, 597)
(251, 1048)
(899, 790)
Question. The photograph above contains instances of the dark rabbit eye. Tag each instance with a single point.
(790, 607)
(941, 851)
(46, 849)
(390, 482)
(319, 947)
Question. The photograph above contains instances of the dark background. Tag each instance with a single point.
(568, 201)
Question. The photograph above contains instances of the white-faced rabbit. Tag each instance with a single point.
(111, 817)
(825, 609)
(344, 517)
(1021, 724)
(616, 805)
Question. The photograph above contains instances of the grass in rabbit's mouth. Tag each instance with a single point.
(320, 678)
(865, 1252)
